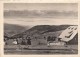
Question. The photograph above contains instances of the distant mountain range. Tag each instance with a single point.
(40, 14)
(39, 30)
(11, 29)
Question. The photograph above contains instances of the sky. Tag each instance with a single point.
(41, 6)
(33, 22)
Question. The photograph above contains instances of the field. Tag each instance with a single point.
(41, 49)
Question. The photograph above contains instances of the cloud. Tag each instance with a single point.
(40, 14)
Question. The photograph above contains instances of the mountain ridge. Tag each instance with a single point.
(40, 30)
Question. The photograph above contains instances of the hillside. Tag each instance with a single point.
(40, 30)
(40, 33)
(11, 29)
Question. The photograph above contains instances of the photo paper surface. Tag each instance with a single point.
(40, 28)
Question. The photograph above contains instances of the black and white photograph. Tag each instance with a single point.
(40, 28)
